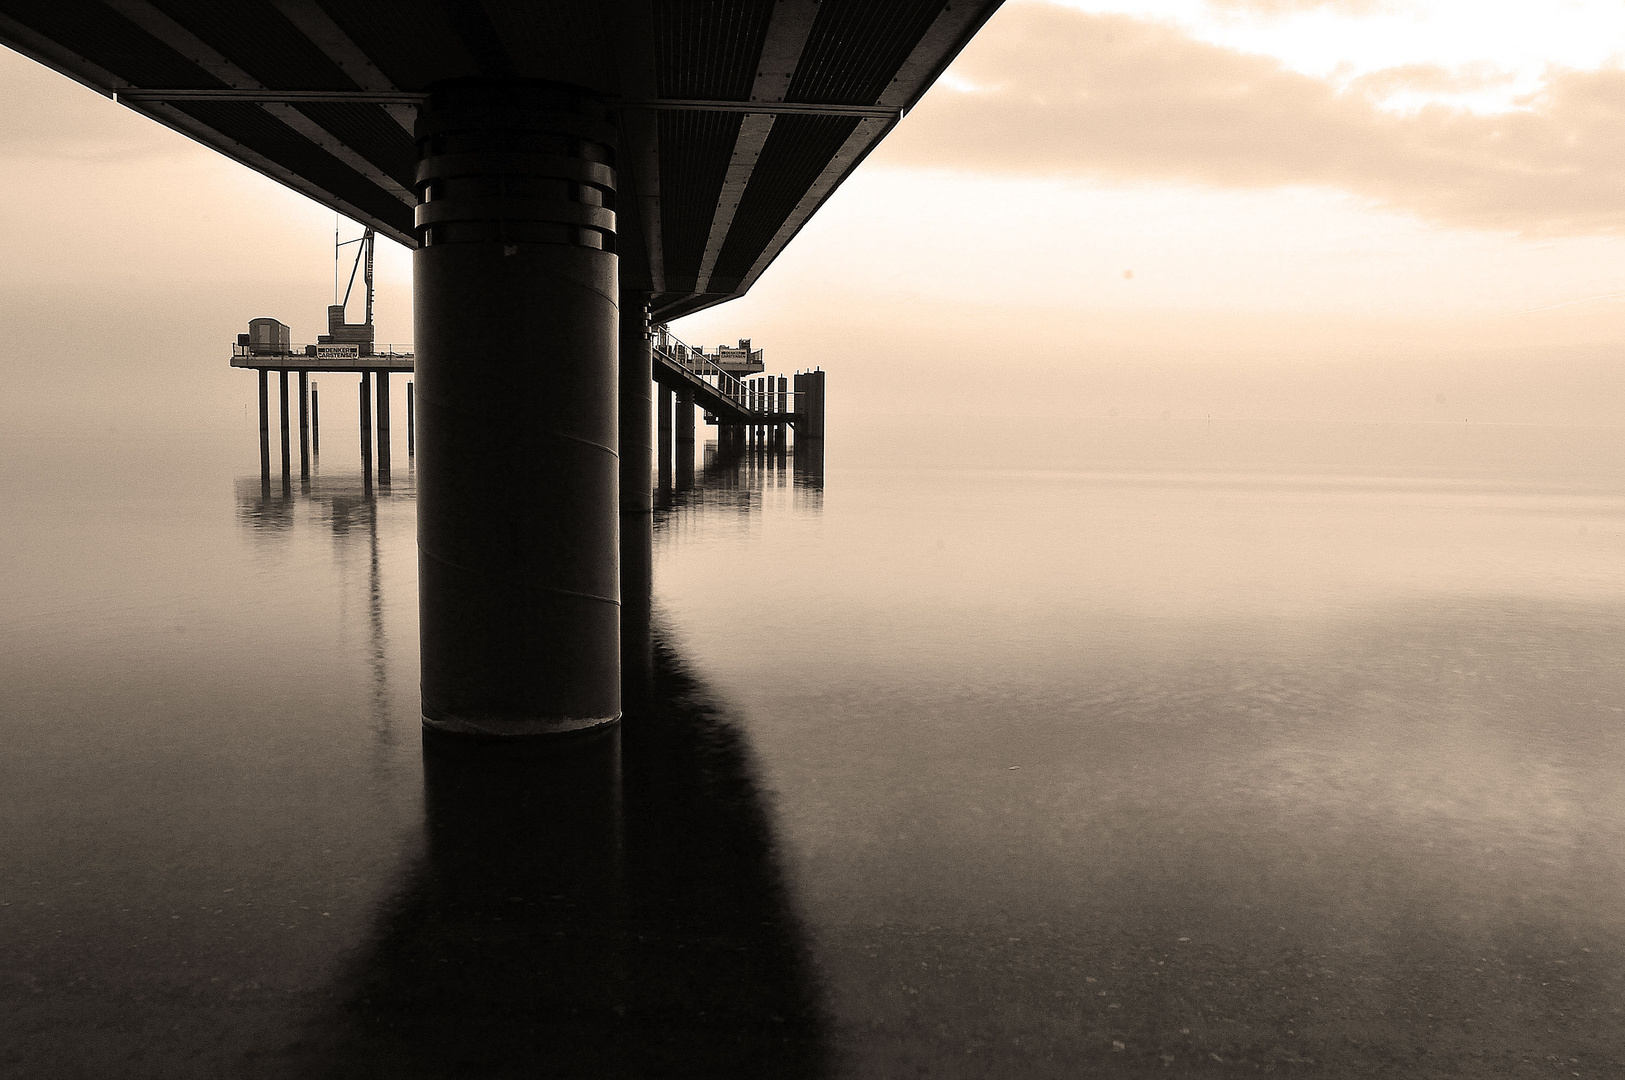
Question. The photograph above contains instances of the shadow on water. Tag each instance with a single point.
(613, 909)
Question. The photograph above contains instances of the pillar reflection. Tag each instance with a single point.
(610, 907)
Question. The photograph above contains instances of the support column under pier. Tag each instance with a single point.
(265, 431)
(283, 380)
(637, 500)
(383, 429)
(684, 423)
(364, 410)
(663, 436)
(304, 425)
(516, 291)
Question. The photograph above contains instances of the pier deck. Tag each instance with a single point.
(392, 360)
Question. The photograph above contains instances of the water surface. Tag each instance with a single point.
(1010, 749)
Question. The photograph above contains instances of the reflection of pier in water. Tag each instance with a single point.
(346, 506)
(615, 909)
(744, 477)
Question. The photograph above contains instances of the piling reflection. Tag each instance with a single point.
(610, 909)
(614, 908)
(347, 506)
(738, 471)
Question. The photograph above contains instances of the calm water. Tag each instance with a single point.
(1014, 749)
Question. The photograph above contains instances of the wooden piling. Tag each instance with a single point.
(283, 379)
(663, 435)
(383, 428)
(304, 425)
(411, 424)
(366, 429)
(315, 423)
(684, 423)
(265, 429)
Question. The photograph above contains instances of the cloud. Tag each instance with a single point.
(1384, 84)
(1293, 7)
(1060, 92)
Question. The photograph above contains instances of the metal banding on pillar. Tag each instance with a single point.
(516, 291)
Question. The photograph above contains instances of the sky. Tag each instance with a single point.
(1351, 209)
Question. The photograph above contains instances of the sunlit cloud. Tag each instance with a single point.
(1293, 7)
(1343, 41)
(1121, 98)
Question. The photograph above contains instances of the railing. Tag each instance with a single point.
(698, 364)
(750, 395)
(391, 351)
(757, 399)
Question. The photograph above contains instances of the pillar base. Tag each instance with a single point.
(506, 727)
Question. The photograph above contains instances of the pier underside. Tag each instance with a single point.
(565, 170)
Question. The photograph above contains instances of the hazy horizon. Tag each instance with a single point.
(1343, 211)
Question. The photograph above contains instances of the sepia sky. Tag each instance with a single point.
(1361, 209)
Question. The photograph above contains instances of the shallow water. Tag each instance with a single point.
(1008, 750)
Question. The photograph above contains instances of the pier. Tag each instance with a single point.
(346, 347)
(756, 411)
(750, 409)
(568, 176)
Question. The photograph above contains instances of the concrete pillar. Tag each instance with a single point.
(282, 377)
(383, 428)
(637, 499)
(411, 425)
(663, 435)
(783, 430)
(265, 430)
(684, 423)
(315, 423)
(810, 384)
(365, 415)
(516, 291)
(304, 425)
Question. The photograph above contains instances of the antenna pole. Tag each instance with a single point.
(360, 251)
(366, 272)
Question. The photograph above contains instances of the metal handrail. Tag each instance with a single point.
(695, 361)
(393, 350)
(730, 386)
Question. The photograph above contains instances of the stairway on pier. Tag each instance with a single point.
(728, 399)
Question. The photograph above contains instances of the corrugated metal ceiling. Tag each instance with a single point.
(357, 156)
